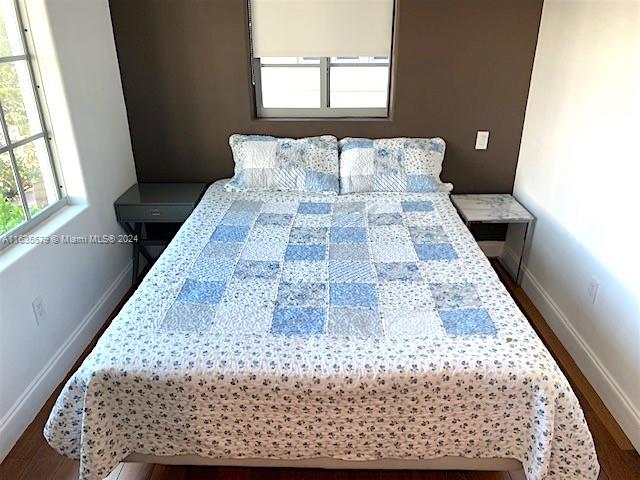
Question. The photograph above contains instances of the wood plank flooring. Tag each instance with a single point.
(33, 459)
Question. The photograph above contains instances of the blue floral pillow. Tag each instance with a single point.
(392, 165)
(284, 164)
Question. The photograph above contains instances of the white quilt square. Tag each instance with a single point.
(389, 234)
(357, 161)
(258, 294)
(231, 317)
(280, 207)
(264, 249)
(384, 207)
(412, 323)
(435, 271)
(262, 154)
(312, 220)
(268, 233)
(421, 218)
(393, 252)
(405, 295)
(302, 271)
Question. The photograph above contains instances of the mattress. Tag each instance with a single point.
(358, 327)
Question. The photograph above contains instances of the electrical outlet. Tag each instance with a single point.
(482, 140)
(38, 309)
(592, 290)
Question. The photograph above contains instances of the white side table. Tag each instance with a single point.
(495, 208)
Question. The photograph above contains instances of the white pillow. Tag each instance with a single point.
(284, 164)
(392, 165)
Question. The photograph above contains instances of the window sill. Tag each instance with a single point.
(323, 119)
(46, 228)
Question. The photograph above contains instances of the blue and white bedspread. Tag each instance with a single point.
(362, 326)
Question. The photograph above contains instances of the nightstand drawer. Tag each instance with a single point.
(154, 213)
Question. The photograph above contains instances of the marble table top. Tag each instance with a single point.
(491, 208)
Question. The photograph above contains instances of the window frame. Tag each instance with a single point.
(324, 110)
(31, 220)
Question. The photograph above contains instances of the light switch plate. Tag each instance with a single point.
(482, 140)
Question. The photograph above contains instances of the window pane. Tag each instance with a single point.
(37, 178)
(290, 87)
(290, 61)
(11, 211)
(10, 38)
(359, 60)
(18, 101)
(354, 87)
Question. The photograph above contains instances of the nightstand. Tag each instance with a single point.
(495, 208)
(152, 213)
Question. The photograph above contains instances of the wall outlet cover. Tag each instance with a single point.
(39, 311)
(592, 290)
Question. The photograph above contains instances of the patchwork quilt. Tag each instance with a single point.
(292, 326)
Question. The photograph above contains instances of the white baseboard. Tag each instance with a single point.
(613, 396)
(491, 248)
(27, 406)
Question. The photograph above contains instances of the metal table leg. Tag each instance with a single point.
(522, 251)
(136, 255)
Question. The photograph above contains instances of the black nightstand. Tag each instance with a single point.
(152, 213)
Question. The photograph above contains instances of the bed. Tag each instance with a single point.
(363, 330)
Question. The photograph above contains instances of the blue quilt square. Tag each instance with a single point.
(382, 219)
(255, 269)
(320, 182)
(422, 183)
(311, 253)
(302, 294)
(349, 207)
(436, 251)
(348, 144)
(419, 206)
(347, 271)
(317, 208)
(348, 219)
(203, 292)
(467, 321)
(398, 272)
(281, 219)
(354, 322)
(452, 296)
(348, 235)
(349, 251)
(245, 206)
(428, 234)
(212, 268)
(230, 233)
(353, 295)
(298, 321)
(238, 218)
(312, 235)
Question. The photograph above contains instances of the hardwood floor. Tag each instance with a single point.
(33, 459)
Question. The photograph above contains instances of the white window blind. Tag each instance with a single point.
(321, 28)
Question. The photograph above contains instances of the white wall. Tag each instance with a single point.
(80, 284)
(578, 172)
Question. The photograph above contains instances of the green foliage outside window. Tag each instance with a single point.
(11, 100)
(11, 215)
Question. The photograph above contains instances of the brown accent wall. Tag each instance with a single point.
(459, 66)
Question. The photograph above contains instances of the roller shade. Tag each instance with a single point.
(321, 28)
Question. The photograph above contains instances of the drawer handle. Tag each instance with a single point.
(155, 212)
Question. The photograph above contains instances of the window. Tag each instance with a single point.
(30, 190)
(321, 87)
(321, 58)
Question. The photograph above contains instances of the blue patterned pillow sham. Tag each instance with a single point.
(392, 165)
(268, 163)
